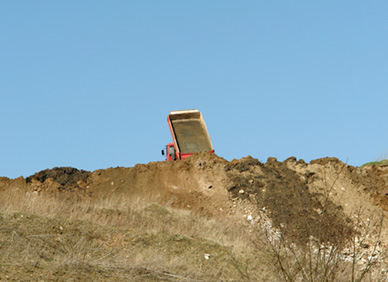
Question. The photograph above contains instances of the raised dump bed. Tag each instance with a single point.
(189, 133)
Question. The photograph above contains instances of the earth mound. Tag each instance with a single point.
(64, 178)
(300, 199)
(294, 210)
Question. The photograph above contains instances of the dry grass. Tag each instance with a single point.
(61, 237)
(137, 214)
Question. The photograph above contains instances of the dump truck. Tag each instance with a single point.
(189, 135)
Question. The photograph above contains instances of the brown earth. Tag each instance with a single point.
(213, 187)
(301, 199)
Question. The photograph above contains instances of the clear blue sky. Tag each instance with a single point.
(89, 84)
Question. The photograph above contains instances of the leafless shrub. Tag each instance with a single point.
(355, 256)
(321, 260)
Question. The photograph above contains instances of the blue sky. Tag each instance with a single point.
(89, 84)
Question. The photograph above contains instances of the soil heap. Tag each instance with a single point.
(293, 194)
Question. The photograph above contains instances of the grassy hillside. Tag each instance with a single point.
(59, 238)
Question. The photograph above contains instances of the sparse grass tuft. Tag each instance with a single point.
(382, 162)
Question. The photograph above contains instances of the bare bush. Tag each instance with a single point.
(317, 260)
(352, 253)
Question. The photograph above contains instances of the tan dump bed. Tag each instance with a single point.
(190, 131)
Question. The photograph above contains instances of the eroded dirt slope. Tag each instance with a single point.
(294, 194)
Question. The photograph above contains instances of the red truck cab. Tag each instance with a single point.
(170, 152)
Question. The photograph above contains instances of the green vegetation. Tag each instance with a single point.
(382, 162)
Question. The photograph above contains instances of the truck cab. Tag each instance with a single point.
(170, 152)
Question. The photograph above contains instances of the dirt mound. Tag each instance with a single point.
(294, 210)
(294, 194)
(63, 178)
(374, 179)
(196, 183)
(348, 185)
(301, 199)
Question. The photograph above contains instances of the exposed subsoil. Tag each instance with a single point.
(294, 209)
(301, 199)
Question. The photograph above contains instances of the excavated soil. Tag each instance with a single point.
(64, 178)
(301, 199)
(293, 208)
